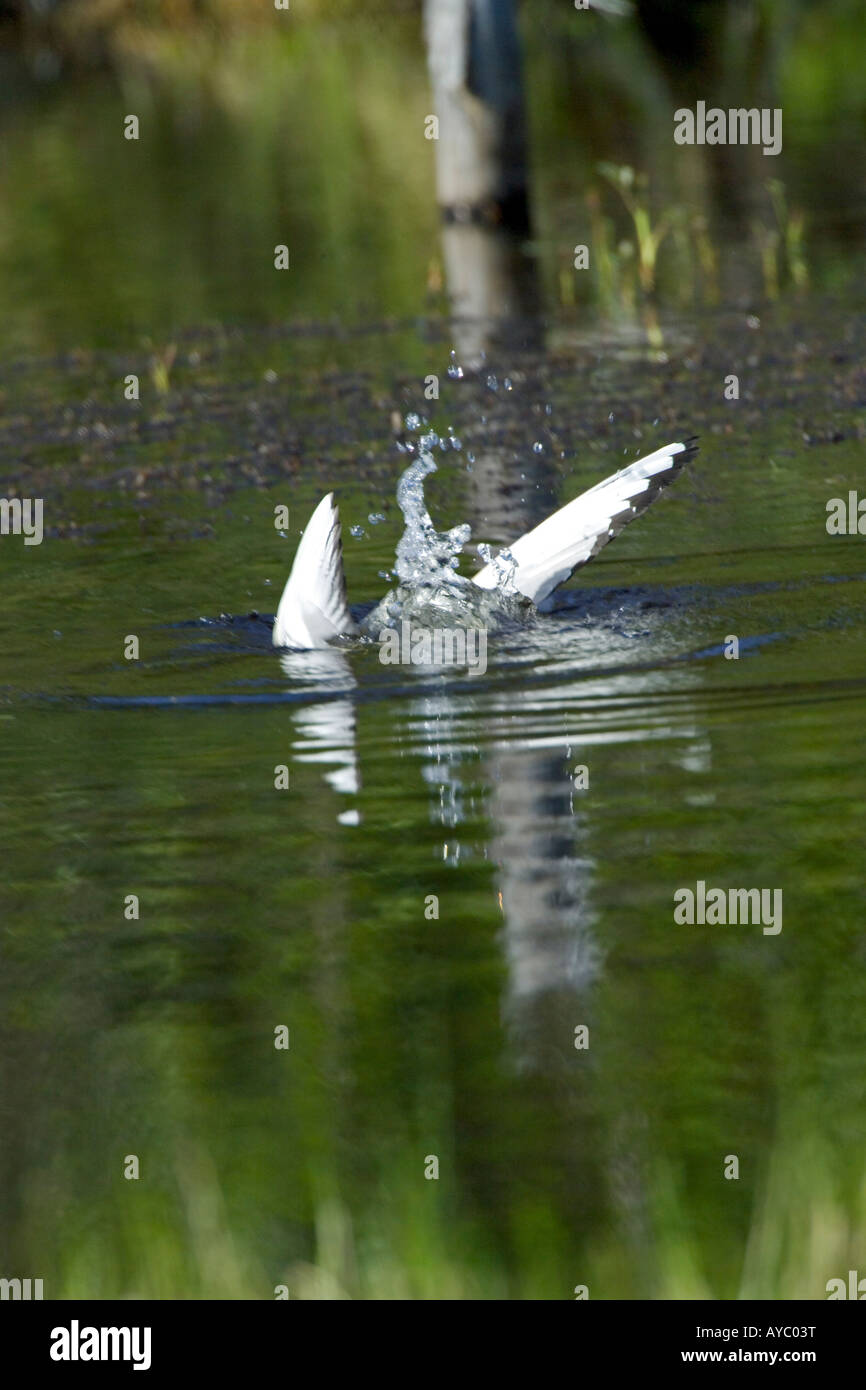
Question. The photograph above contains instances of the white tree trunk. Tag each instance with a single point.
(474, 58)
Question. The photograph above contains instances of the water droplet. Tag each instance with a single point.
(611, 417)
(538, 447)
(507, 383)
(413, 421)
(376, 518)
(357, 531)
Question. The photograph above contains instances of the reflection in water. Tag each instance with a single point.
(545, 873)
(545, 883)
(531, 739)
(326, 731)
(492, 287)
(541, 828)
(435, 724)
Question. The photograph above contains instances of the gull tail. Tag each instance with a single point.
(549, 554)
(313, 609)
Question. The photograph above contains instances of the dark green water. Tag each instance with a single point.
(413, 1037)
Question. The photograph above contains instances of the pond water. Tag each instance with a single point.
(466, 870)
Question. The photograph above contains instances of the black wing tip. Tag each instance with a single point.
(676, 463)
(686, 452)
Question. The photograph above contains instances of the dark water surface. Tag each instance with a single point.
(414, 1036)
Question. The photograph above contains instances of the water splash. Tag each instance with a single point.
(504, 566)
(426, 556)
(430, 592)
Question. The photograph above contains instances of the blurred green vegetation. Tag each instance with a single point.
(305, 1167)
(305, 128)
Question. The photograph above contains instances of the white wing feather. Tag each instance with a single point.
(313, 609)
(549, 554)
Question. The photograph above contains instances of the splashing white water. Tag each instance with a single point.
(430, 587)
(425, 555)
(504, 567)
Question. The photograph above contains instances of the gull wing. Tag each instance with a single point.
(553, 550)
(313, 609)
